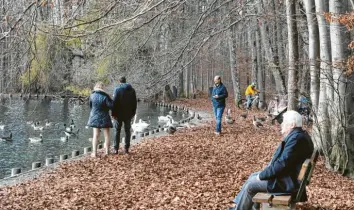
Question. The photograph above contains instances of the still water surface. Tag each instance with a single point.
(20, 152)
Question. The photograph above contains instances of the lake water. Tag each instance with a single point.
(20, 152)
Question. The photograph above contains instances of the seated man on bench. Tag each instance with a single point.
(280, 176)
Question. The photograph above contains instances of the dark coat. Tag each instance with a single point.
(286, 163)
(124, 102)
(100, 104)
(221, 91)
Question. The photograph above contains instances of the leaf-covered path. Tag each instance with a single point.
(193, 169)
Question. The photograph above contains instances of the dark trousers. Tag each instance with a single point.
(118, 126)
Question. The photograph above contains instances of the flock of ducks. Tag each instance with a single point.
(138, 127)
(68, 131)
(256, 121)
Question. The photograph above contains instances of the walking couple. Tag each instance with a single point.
(123, 108)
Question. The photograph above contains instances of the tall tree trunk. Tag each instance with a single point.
(293, 55)
(321, 127)
(252, 56)
(233, 65)
(339, 156)
(260, 70)
(313, 52)
(279, 81)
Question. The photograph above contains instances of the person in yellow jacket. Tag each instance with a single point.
(250, 92)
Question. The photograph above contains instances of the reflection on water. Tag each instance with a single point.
(20, 152)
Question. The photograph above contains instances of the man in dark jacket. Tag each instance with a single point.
(124, 109)
(219, 94)
(280, 176)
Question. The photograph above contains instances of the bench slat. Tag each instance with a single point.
(282, 200)
(262, 198)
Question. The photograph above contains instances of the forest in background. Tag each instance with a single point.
(286, 46)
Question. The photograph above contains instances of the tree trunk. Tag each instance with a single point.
(233, 65)
(339, 155)
(321, 130)
(293, 55)
(260, 70)
(313, 52)
(279, 81)
(180, 85)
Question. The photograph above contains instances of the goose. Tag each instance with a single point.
(36, 139)
(64, 138)
(6, 138)
(199, 117)
(171, 128)
(140, 126)
(164, 118)
(36, 126)
(172, 112)
(256, 123)
(29, 122)
(68, 129)
(47, 123)
(229, 120)
(261, 119)
(72, 124)
(244, 116)
(71, 133)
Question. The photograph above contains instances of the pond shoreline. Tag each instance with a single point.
(35, 173)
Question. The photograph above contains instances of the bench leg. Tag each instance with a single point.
(265, 206)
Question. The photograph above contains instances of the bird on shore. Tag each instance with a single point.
(244, 116)
(36, 139)
(261, 119)
(171, 127)
(256, 123)
(228, 117)
(6, 138)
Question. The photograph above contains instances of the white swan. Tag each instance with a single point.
(172, 123)
(164, 118)
(140, 126)
(36, 139)
(64, 138)
(47, 123)
(37, 128)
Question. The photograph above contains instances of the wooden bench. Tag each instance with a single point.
(271, 202)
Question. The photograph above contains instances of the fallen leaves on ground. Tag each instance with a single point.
(193, 169)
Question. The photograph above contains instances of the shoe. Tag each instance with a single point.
(126, 151)
(217, 133)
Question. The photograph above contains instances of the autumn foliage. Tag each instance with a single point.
(348, 21)
(193, 169)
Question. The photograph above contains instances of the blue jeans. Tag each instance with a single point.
(249, 99)
(218, 111)
(252, 186)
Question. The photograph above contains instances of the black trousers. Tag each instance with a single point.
(118, 126)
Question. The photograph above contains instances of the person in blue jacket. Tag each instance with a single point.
(280, 176)
(100, 104)
(219, 94)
